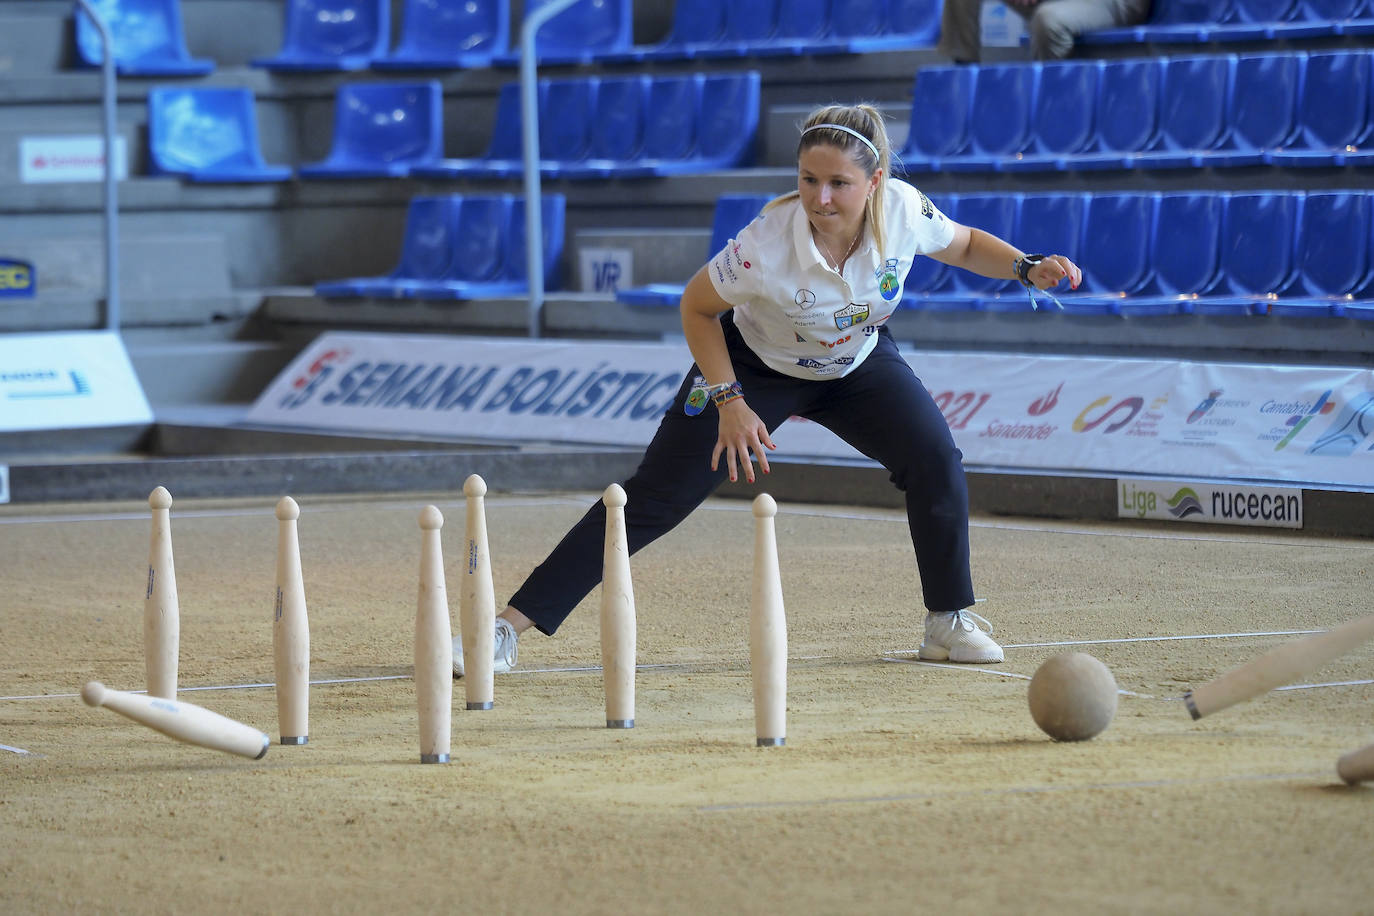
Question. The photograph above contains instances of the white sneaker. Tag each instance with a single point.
(504, 659)
(955, 636)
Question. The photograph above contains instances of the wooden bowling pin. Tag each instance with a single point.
(291, 631)
(768, 631)
(617, 616)
(477, 605)
(181, 720)
(433, 645)
(161, 613)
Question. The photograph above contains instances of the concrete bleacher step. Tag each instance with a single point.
(205, 372)
(656, 255)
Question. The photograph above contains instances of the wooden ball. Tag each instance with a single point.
(1072, 696)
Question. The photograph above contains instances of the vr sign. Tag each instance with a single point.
(17, 279)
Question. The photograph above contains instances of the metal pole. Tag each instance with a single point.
(529, 119)
(108, 101)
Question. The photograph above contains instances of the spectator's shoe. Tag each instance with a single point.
(956, 637)
(504, 659)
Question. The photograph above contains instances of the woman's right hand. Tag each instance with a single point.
(741, 432)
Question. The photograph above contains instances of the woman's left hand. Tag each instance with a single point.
(1054, 268)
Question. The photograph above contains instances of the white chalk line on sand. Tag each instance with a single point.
(1012, 790)
(18, 750)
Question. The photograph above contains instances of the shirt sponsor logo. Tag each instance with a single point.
(854, 313)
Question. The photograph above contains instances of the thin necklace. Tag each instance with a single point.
(840, 261)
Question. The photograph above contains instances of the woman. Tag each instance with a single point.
(789, 320)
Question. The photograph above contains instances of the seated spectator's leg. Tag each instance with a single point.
(961, 30)
(1055, 24)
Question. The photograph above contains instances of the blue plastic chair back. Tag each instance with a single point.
(994, 213)
(1264, 98)
(1166, 12)
(733, 213)
(1329, 9)
(384, 123)
(696, 22)
(1257, 248)
(941, 105)
(999, 124)
(1062, 117)
(479, 242)
(453, 30)
(1262, 10)
(1192, 113)
(505, 128)
(1333, 242)
(803, 20)
(749, 23)
(148, 37)
(917, 19)
(427, 252)
(1051, 223)
(346, 33)
(858, 18)
(670, 117)
(1128, 104)
(1186, 242)
(728, 119)
(552, 211)
(567, 109)
(587, 27)
(1116, 242)
(1333, 110)
(617, 128)
(203, 129)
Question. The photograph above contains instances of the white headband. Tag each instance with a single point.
(849, 130)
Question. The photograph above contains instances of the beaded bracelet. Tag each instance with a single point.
(729, 393)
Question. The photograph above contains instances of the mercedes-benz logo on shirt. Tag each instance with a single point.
(805, 298)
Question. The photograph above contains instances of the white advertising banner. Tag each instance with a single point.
(1212, 503)
(67, 380)
(1271, 424)
(81, 158)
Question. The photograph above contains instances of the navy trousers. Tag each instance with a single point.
(880, 408)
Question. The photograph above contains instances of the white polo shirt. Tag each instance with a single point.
(800, 316)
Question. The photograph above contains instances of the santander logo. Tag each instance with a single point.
(1044, 405)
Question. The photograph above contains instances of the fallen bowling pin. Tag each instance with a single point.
(181, 720)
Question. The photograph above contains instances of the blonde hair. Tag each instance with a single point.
(862, 119)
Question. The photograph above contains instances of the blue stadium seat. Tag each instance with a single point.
(1047, 223)
(382, 130)
(1262, 109)
(565, 122)
(1116, 259)
(1192, 114)
(331, 35)
(1185, 241)
(994, 213)
(1333, 246)
(427, 253)
(696, 24)
(578, 34)
(733, 212)
(616, 130)
(1126, 115)
(503, 148)
(1062, 116)
(701, 123)
(941, 106)
(803, 27)
(208, 135)
(1346, 17)
(903, 24)
(1333, 113)
(1258, 233)
(746, 26)
(147, 35)
(1000, 123)
(513, 278)
(928, 275)
(1252, 20)
(449, 34)
(1170, 21)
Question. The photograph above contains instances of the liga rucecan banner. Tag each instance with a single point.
(1290, 424)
